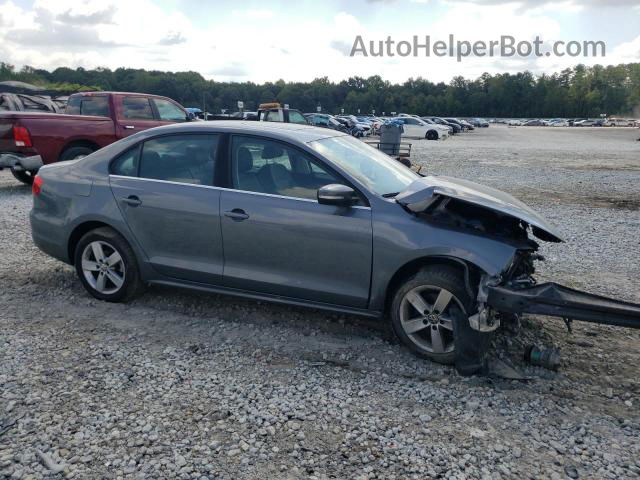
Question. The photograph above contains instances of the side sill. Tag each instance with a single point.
(270, 298)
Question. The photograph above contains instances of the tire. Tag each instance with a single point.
(90, 266)
(431, 284)
(73, 153)
(24, 176)
(431, 135)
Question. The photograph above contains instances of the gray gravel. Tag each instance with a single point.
(186, 385)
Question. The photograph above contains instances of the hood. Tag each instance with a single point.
(423, 192)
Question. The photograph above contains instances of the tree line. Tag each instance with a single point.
(580, 91)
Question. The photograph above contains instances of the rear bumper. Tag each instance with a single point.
(19, 163)
(559, 301)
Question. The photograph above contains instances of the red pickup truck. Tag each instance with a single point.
(91, 121)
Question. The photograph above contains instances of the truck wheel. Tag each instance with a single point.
(424, 310)
(73, 153)
(23, 176)
(432, 135)
(107, 266)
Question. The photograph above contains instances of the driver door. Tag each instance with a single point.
(279, 240)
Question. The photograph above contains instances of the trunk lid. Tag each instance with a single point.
(425, 191)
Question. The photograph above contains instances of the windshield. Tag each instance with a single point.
(376, 170)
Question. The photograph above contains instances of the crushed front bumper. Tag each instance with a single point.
(18, 163)
(558, 301)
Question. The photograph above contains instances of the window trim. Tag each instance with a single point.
(224, 189)
(229, 161)
(220, 152)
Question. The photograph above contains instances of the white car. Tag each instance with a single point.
(559, 123)
(418, 128)
(618, 122)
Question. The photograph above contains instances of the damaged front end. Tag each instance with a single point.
(462, 205)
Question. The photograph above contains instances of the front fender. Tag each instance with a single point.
(399, 243)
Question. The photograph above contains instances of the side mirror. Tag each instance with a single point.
(191, 116)
(336, 194)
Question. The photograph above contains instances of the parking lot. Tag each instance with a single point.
(188, 385)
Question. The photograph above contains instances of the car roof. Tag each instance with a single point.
(281, 131)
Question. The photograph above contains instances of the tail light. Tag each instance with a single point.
(21, 137)
(36, 186)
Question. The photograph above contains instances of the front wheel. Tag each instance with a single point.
(24, 176)
(107, 267)
(425, 309)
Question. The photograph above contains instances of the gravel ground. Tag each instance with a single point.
(187, 385)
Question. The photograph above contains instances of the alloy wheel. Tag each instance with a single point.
(427, 314)
(103, 267)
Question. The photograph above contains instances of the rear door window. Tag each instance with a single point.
(169, 111)
(137, 108)
(127, 163)
(180, 158)
(85, 105)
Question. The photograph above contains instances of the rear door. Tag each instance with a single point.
(164, 190)
(134, 113)
(279, 240)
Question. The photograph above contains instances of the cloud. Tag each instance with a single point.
(255, 13)
(100, 17)
(231, 70)
(343, 47)
(172, 38)
(48, 31)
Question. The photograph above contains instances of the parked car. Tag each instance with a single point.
(535, 123)
(353, 128)
(325, 121)
(618, 122)
(584, 123)
(91, 121)
(464, 126)
(559, 123)
(418, 128)
(455, 127)
(428, 121)
(305, 216)
(479, 122)
(362, 129)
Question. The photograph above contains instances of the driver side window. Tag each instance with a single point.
(264, 166)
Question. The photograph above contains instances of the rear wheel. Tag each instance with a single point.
(426, 307)
(432, 135)
(107, 267)
(24, 176)
(73, 153)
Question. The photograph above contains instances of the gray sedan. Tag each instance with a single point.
(293, 214)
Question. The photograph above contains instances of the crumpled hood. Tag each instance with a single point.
(423, 192)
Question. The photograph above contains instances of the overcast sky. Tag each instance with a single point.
(271, 40)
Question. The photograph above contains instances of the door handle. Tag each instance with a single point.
(132, 201)
(236, 214)
(129, 126)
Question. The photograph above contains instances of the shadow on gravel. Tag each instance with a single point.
(15, 189)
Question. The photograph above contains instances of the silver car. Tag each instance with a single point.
(299, 215)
